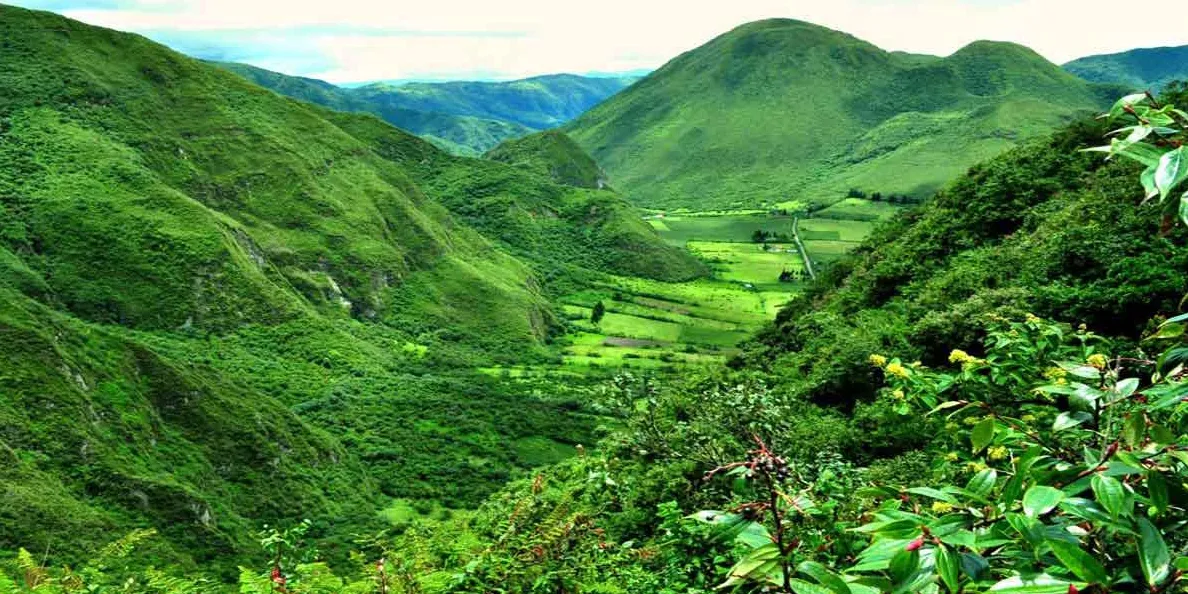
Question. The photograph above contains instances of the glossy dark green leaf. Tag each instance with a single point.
(1081, 563)
(949, 567)
(974, 565)
(1154, 557)
(1109, 493)
(803, 587)
(824, 576)
(1039, 584)
(904, 564)
(983, 482)
(1157, 492)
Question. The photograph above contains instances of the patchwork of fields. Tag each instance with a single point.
(663, 326)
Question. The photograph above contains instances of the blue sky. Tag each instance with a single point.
(356, 40)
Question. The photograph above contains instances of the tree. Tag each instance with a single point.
(597, 313)
(759, 236)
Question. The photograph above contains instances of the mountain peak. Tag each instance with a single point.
(1002, 49)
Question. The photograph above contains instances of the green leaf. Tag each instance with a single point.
(1040, 584)
(1148, 180)
(803, 587)
(904, 564)
(1162, 435)
(1066, 420)
(1120, 106)
(983, 434)
(1127, 387)
(949, 567)
(933, 494)
(823, 576)
(1134, 429)
(1157, 491)
(1081, 563)
(1110, 493)
(1169, 331)
(1172, 171)
(1153, 555)
(974, 565)
(1040, 500)
(1184, 208)
(983, 482)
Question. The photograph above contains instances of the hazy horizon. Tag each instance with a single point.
(358, 41)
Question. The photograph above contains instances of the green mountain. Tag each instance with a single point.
(786, 112)
(458, 134)
(1146, 68)
(220, 307)
(540, 102)
(465, 118)
(553, 154)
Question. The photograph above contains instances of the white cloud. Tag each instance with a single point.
(370, 39)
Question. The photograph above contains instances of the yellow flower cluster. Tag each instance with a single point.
(941, 507)
(1028, 418)
(959, 356)
(898, 395)
(976, 466)
(952, 457)
(998, 453)
(1098, 360)
(972, 420)
(878, 360)
(897, 370)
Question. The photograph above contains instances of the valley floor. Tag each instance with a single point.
(756, 268)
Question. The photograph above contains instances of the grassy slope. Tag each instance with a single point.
(1040, 229)
(199, 278)
(552, 154)
(1147, 68)
(458, 134)
(781, 110)
(559, 227)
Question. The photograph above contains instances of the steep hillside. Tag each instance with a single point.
(220, 307)
(782, 112)
(1042, 229)
(552, 154)
(558, 227)
(1146, 68)
(459, 134)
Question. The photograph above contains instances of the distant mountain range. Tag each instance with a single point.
(1147, 68)
(465, 118)
(783, 112)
